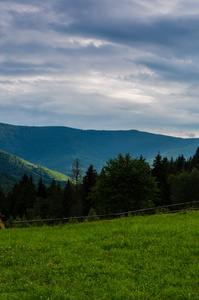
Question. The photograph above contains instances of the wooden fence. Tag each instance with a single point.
(152, 210)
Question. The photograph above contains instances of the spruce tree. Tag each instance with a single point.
(68, 203)
(41, 189)
(55, 199)
(160, 170)
(88, 182)
(23, 196)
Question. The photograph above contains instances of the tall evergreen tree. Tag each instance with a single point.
(76, 173)
(41, 189)
(68, 202)
(160, 171)
(195, 160)
(11, 201)
(22, 196)
(55, 196)
(89, 181)
(180, 163)
(30, 192)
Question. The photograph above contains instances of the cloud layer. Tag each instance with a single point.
(107, 64)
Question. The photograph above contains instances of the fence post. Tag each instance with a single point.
(2, 226)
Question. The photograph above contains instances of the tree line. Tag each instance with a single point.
(124, 184)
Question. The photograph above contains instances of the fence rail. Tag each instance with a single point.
(156, 210)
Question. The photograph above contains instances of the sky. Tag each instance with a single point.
(101, 64)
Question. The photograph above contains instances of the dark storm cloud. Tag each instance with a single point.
(104, 20)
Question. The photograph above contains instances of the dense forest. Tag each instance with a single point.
(124, 184)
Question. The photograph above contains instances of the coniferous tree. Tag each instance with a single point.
(2, 202)
(23, 196)
(180, 164)
(30, 192)
(55, 199)
(77, 200)
(41, 189)
(76, 173)
(194, 185)
(89, 181)
(41, 206)
(58, 208)
(160, 171)
(11, 201)
(195, 160)
(68, 200)
(171, 167)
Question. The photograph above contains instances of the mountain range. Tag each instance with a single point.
(56, 148)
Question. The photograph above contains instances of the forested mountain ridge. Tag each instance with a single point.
(57, 147)
(13, 168)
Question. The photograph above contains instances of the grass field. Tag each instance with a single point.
(150, 257)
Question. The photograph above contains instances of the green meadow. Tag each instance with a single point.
(144, 257)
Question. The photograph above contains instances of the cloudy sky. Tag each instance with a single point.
(101, 64)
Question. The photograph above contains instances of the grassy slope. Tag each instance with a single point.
(15, 168)
(152, 257)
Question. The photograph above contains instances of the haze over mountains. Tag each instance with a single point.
(57, 147)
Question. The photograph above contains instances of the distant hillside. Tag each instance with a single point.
(7, 182)
(13, 168)
(57, 147)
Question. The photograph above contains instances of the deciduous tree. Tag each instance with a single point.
(124, 184)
